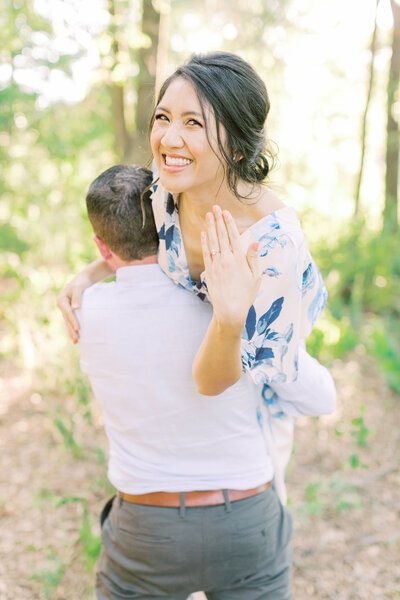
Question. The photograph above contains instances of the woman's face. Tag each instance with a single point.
(185, 160)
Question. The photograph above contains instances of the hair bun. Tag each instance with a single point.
(261, 167)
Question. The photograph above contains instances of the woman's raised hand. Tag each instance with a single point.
(232, 275)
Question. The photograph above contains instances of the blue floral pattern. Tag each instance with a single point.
(291, 297)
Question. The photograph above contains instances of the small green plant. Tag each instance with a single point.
(82, 389)
(66, 499)
(355, 462)
(91, 542)
(344, 494)
(314, 503)
(50, 578)
(100, 454)
(361, 432)
(348, 502)
(67, 433)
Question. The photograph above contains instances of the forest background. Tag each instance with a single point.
(77, 82)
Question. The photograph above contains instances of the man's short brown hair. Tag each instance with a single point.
(114, 204)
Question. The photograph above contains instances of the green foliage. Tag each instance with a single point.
(10, 241)
(355, 462)
(91, 542)
(67, 432)
(360, 432)
(362, 273)
(386, 348)
(50, 578)
(335, 495)
(314, 503)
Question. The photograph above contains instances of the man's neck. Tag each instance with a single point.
(147, 260)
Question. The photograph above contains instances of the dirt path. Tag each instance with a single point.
(343, 485)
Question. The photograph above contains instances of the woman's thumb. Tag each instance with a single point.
(252, 257)
(76, 298)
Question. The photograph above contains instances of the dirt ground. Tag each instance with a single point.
(343, 483)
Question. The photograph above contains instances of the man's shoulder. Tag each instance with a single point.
(151, 292)
(98, 294)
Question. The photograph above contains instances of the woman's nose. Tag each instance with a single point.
(172, 137)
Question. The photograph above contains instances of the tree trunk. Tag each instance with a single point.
(135, 147)
(121, 134)
(139, 150)
(365, 115)
(390, 216)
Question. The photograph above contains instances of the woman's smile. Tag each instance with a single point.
(174, 163)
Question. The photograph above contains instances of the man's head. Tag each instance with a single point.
(114, 203)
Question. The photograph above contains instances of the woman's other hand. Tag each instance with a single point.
(70, 298)
(233, 276)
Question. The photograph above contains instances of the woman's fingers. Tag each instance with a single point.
(221, 230)
(206, 251)
(64, 302)
(73, 334)
(76, 299)
(233, 232)
(213, 242)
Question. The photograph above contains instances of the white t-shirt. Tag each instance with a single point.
(138, 339)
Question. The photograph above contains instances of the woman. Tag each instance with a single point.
(223, 234)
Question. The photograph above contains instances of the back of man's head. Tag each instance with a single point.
(114, 204)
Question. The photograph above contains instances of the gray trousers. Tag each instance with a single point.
(233, 551)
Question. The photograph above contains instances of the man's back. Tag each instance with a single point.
(139, 337)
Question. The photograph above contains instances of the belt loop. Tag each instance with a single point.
(182, 505)
(120, 500)
(227, 501)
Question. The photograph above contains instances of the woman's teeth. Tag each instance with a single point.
(179, 162)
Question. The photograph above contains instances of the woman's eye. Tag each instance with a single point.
(161, 117)
(194, 122)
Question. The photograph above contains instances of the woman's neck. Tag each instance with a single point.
(201, 202)
(259, 202)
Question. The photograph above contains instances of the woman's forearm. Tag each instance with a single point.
(218, 363)
(95, 271)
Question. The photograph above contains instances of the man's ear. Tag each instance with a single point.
(103, 248)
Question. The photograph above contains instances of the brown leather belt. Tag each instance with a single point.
(207, 498)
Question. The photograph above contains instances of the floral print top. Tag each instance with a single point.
(291, 296)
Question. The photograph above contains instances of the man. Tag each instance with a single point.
(195, 507)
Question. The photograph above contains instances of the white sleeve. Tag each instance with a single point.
(313, 393)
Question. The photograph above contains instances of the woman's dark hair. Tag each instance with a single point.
(239, 100)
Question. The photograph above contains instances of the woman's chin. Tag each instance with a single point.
(169, 184)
